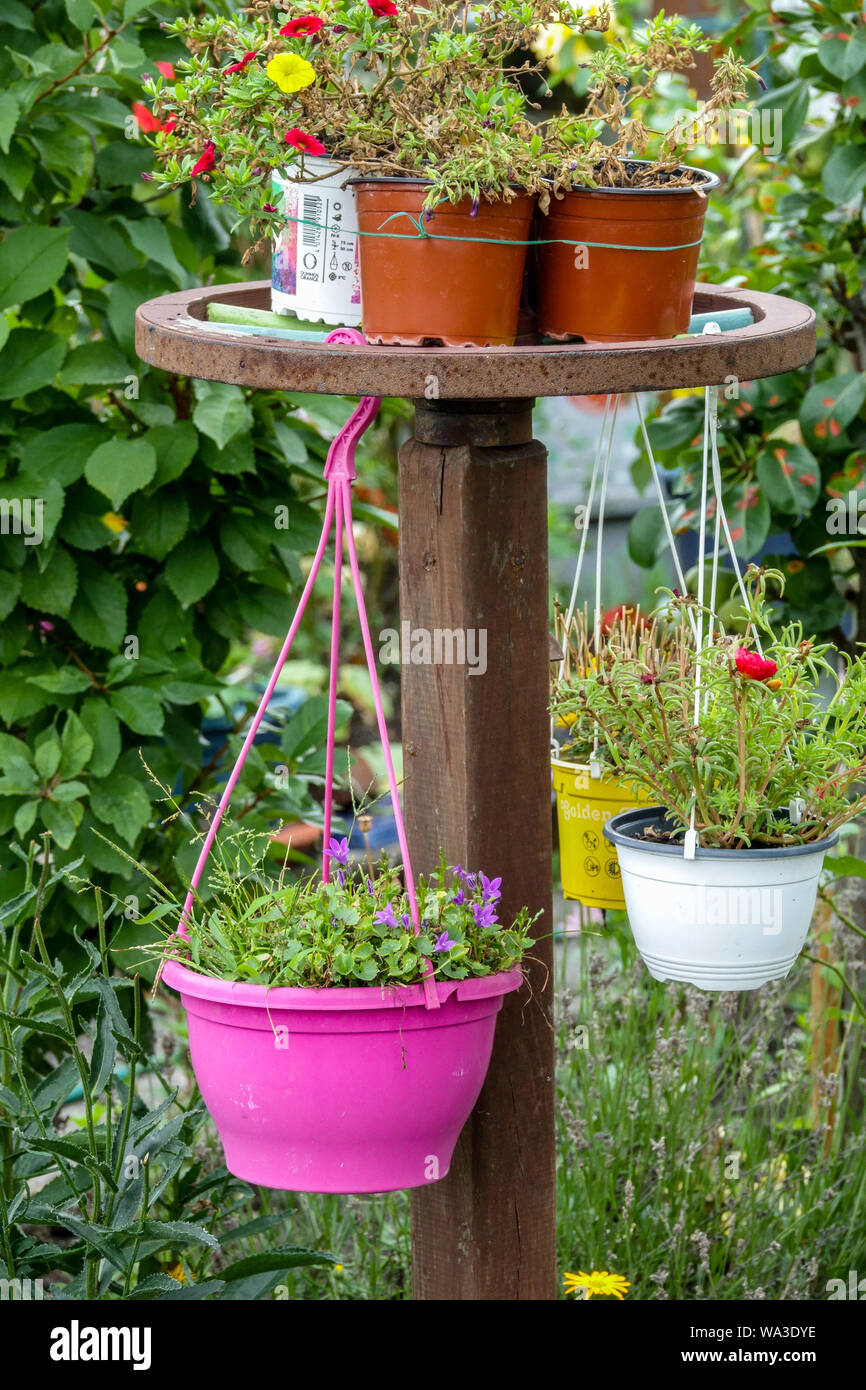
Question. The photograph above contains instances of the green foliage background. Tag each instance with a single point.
(159, 494)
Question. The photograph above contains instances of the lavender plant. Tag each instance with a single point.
(764, 733)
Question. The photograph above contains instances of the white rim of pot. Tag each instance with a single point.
(616, 830)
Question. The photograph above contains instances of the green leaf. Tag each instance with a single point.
(32, 259)
(66, 680)
(158, 523)
(844, 174)
(645, 536)
(24, 818)
(76, 746)
(20, 778)
(790, 477)
(830, 406)
(178, 1232)
(9, 111)
(192, 570)
(284, 1257)
(81, 13)
(61, 453)
(47, 756)
(150, 236)
(842, 52)
(221, 412)
(95, 364)
(39, 1025)
(749, 518)
(98, 614)
(30, 360)
(62, 819)
(119, 467)
(10, 588)
(102, 725)
(139, 708)
(121, 802)
(175, 447)
(51, 590)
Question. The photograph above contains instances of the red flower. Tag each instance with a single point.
(303, 27)
(244, 62)
(381, 8)
(169, 125)
(206, 160)
(145, 118)
(756, 668)
(307, 144)
(167, 71)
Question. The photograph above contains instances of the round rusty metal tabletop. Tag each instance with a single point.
(169, 334)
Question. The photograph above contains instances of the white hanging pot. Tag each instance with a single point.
(317, 261)
(729, 919)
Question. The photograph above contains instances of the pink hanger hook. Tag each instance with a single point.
(340, 465)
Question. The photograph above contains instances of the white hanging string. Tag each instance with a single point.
(594, 764)
(672, 545)
(572, 603)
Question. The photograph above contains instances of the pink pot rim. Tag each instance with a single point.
(355, 997)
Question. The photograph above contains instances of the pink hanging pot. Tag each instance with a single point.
(345, 1089)
(340, 1090)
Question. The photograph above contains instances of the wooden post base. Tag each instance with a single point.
(473, 556)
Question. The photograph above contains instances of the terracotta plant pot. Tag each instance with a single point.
(460, 292)
(605, 294)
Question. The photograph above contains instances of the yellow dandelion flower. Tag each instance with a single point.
(177, 1273)
(599, 1282)
(115, 522)
(291, 72)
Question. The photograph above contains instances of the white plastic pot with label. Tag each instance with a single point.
(729, 919)
(317, 261)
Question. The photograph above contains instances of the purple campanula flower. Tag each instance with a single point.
(406, 920)
(490, 888)
(459, 897)
(371, 889)
(484, 915)
(386, 917)
(443, 942)
(338, 850)
(473, 211)
(467, 879)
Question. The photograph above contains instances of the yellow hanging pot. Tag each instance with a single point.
(588, 864)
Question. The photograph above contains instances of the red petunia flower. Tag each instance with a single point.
(145, 118)
(756, 668)
(244, 62)
(206, 160)
(167, 71)
(303, 27)
(307, 144)
(382, 8)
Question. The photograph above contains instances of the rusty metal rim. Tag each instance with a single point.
(169, 335)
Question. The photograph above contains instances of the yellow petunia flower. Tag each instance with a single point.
(599, 1282)
(115, 522)
(290, 72)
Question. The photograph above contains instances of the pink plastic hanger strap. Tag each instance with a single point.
(340, 473)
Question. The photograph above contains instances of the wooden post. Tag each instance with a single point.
(473, 556)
